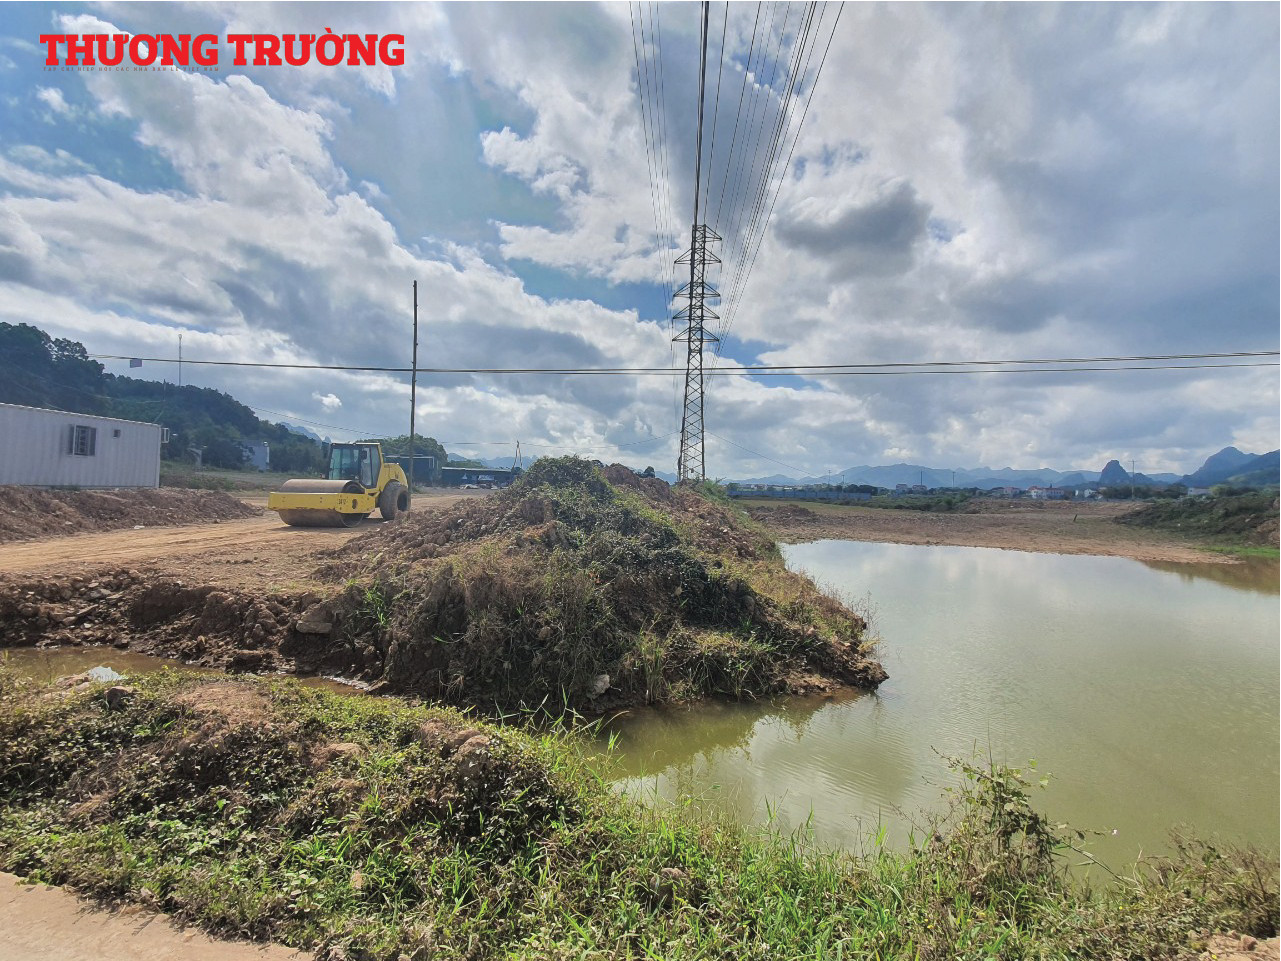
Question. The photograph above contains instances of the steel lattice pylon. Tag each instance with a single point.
(690, 464)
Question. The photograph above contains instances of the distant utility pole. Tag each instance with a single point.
(690, 464)
(413, 401)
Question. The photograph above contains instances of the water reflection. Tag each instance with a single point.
(1254, 574)
(1150, 695)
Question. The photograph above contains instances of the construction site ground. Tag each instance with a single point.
(259, 552)
(251, 551)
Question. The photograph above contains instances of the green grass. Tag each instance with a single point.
(219, 479)
(389, 830)
(1237, 550)
(1237, 522)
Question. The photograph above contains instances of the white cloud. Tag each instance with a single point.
(52, 98)
(1010, 182)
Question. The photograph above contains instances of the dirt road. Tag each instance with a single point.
(227, 553)
(50, 924)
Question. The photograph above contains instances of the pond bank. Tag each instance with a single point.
(1052, 527)
(360, 827)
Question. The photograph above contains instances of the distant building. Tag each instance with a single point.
(424, 472)
(1199, 492)
(257, 456)
(475, 476)
(1046, 493)
(57, 448)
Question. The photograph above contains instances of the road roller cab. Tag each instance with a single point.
(358, 482)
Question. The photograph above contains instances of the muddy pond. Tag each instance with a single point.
(1149, 695)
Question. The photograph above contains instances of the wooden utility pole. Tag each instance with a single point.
(413, 401)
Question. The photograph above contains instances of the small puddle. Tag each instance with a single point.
(49, 664)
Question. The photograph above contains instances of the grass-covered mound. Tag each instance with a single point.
(579, 585)
(1245, 520)
(372, 829)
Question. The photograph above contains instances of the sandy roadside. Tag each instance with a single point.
(50, 924)
(1044, 527)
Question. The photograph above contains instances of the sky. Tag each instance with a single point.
(961, 182)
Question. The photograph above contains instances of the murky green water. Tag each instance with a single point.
(1148, 692)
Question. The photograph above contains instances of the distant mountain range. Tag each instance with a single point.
(1227, 466)
(304, 432)
(1231, 466)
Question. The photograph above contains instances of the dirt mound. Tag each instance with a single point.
(28, 513)
(589, 588)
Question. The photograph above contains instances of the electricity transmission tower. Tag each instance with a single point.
(698, 291)
(690, 464)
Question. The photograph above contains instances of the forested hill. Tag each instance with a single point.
(39, 371)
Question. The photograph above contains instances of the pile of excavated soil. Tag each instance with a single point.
(589, 587)
(29, 513)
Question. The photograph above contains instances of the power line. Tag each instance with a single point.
(716, 110)
(656, 31)
(650, 161)
(756, 224)
(780, 463)
(716, 220)
(812, 370)
(468, 443)
(732, 308)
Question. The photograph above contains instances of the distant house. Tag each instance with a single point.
(257, 456)
(1090, 494)
(58, 448)
(1046, 493)
(1199, 492)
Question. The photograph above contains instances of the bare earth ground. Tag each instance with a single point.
(244, 552)
(1053, 527)
(50, 924)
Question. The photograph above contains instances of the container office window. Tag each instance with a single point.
(84, 440)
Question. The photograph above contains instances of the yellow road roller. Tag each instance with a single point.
(359, 481)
